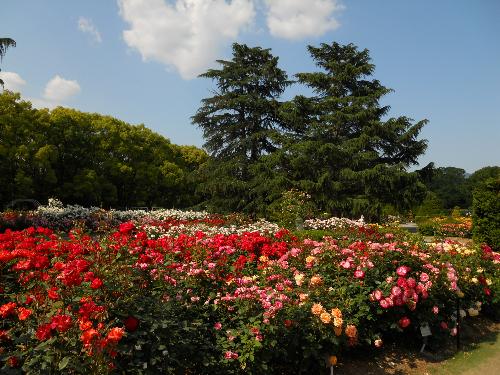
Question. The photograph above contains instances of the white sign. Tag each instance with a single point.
(425, 330)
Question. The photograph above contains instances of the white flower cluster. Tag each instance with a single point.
(333, 223)
(161, 214)
(261, 226)
(55, 214)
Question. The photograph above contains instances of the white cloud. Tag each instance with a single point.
(86, 26)
(187, 35)
(298, 19)
(59, 89)
(12, 81)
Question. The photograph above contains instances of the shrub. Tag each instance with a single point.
(486, 213)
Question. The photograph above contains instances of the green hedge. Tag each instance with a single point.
(486, 213)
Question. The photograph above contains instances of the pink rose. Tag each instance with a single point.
(359, 274)
(396, 291)
(402, 270)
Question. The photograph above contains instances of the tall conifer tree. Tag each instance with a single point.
(240, 124)
(341, 150)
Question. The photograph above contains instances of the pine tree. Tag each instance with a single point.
(240, 124)
(5, 43)
(341, 150)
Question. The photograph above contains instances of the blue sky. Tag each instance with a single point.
(137, 59)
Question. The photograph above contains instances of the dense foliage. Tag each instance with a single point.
(486, 213)
(90, 159)
(451, 187)
(166, 297)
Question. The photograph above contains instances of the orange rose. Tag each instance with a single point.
(332, 360)
(337, 313)
(316, 280)
(325, 317)
(351, 331)
(317, 308)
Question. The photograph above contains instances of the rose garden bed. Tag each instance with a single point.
(217, 295)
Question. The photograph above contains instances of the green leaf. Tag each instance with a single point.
(64, 362)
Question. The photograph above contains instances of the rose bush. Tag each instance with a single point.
(170, 300)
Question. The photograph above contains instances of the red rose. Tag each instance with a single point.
(96, 283)
(404, 322)
(7, 309)
(44, 332)
(23, 313)
(61, 323)
(127, 227)
(115, 334)
(88, 335)
(13, 361)
(131, 323)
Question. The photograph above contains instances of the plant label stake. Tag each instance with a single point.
(425, 331)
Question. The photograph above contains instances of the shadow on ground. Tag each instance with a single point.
(405, 358)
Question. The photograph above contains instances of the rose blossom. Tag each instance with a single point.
(404, 322)
(359, 274)
(402, 270)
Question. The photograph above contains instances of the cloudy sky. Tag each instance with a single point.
(138, 60)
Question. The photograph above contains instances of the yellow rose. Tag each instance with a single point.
(299, 279)
(473, 312)
(310, 259)
(337, 322)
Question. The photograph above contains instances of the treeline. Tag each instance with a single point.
(337, 146)
(90, 159)
(451, 187)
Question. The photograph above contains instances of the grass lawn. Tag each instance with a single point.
(476, 358)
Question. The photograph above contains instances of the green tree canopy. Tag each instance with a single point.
(450, 186)
(90, 159)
